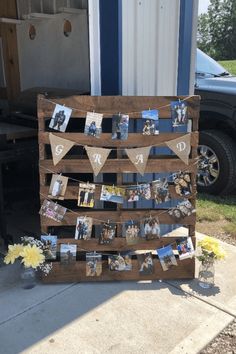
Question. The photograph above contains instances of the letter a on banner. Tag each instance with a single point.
(139, 157)
(97, 157)
(59, 147)
(181, 147)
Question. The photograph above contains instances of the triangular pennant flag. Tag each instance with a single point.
(139, 157)
(97, 157)
(59, 147)
(181, 147)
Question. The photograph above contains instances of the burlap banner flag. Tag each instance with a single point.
(181, 147)
(59, 147)
(97, 157)
(139, 157)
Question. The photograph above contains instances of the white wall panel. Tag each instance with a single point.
(150, 35)
(52, 59)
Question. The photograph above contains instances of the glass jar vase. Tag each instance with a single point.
(28, 277)
(206, 274)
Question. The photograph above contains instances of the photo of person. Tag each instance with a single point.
(57, 187)
(93, 264)
(166, 257)
(68, 253)
(86, 195)
(133, 193)
(112, 194)
(132, 232)
(60, 118)
(120, 126)
(161, 190)
(83, 228)
(121, 262)
(145, 263)
(186, 208)
(52, 210)
(151, 228)
(49, 246)
(178, 113)
(182, 182)
(185, 248)
(93, 124)
(151, 123)
(107, 234)
(145, 191)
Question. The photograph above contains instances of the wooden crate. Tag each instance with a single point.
(116, 163)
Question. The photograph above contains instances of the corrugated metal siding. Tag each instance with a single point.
(150, 35)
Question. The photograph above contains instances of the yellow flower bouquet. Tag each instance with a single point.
(210, 250)
(30, 253)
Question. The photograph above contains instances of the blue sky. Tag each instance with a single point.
(203, 5)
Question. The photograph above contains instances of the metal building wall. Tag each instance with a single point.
(150, 37)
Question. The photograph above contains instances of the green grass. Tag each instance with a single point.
(214, 208)
(229, 65)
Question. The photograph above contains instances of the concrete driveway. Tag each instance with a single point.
(120, 317)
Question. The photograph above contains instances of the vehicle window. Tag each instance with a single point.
(206, 64)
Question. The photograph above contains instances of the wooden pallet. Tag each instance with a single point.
(117, 163)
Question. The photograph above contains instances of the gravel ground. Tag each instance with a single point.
(225, 342)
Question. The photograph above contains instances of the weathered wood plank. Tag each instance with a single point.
(134, 139)
(119, 244)
(122, 215)
(108, 105)
(155, 164)
(77, 272)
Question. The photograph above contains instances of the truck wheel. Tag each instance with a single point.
(217, 164)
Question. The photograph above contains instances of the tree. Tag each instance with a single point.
(217, 30)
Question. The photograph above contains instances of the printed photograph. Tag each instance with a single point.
(178, 113)
(182, 182)
(160, 189)
(186, 208)
(83, 228)
(60, 118)
(166, 257)
(112, 194)
(93, 124)
(57, 187)
(120, 262)
(120, 126)
(145, 191)
(133, 193)
(107, 234)
(86, 195)
(136, 192)
(185, 248)
(68, 253)
(93, 264)
(151, 228)
(151, 122)
(52, 210)
(132, 232)
(145, 262)
(49, 246)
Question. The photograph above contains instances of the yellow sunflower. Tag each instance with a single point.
(32, 256)
(13, 253)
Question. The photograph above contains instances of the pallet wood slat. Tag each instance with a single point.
(117, 216)
(120, 244)
(76, 272)
(105, 140)
(73, 163)
(119, 165)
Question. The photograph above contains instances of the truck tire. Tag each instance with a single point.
(217, 164)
